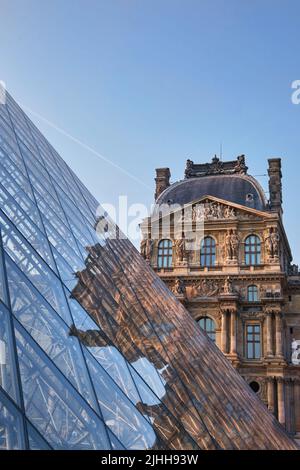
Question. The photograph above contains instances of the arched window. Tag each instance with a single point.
(164, 254)
(208, 325)
(252, 250)
(252, 294)
(208, 252)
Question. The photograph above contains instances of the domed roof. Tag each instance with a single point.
(240, 189)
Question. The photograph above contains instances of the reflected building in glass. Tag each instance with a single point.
(95, 351)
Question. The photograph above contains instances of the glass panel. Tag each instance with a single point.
(115, 443)
(52, 405)
(13, 167)
(8, 373)
(11, 426)
(49, 331)
(119, 414)
(35, 269)
(28, 229)
(36, 441)
(11, 185)
(107, 356)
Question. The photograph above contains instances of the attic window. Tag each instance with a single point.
(249, 197)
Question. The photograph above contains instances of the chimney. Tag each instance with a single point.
(275, 186)
(162, 180)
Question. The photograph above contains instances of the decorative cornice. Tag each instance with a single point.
(216, 167)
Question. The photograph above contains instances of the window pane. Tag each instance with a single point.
(252, 250)
(208, 252)
(164, 254)
(253, 342)
(208, 325)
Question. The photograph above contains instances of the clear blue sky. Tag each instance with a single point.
(148, 83)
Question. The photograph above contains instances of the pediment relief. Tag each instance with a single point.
(208, 208)
(212, 209)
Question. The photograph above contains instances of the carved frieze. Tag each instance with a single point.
(205, 288)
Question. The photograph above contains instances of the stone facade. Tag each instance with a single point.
(243, 280)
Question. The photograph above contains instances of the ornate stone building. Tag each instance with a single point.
(226, 256)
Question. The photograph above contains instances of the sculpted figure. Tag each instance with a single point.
(235, 241)
(268, 245)
(180, 249)
(295, 352)
(228, 250)
(220, 214)
(272, 243)
(188, 168)
(143, 248)
(179, 287)
(275, 242)
(228, 286)
(240, 166)
(231, 244)
(214, 211)
(149, 247)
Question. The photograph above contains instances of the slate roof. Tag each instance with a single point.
(241, 189)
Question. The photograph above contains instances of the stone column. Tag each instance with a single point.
(280, 400)
(233, 332)
(278, 326)
(269, 335)
(224, 332)
(271, 396)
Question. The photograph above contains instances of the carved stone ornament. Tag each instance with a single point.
(205, 288)
(294, 270)
(231, 245)
(240, 166)
(270, 309)
(216, 167)
(228, 288)
(212, 211)
(179, 287)
(295, 358)
(180, 250)
(188, 168)
(272, 243)
(263, 385)
(146, 248)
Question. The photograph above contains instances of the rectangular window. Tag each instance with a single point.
(253, 341)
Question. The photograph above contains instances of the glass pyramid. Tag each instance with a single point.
(95, 351)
